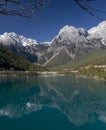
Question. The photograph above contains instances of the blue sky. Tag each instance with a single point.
(51, 19)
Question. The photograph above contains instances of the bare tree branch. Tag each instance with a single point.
(29, 8)
(19, 8)
(84, 4)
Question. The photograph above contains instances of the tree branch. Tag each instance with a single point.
(25, 9)
(89, 9)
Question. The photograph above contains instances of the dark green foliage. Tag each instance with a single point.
(11, 61)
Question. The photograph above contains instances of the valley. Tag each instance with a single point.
(72, 51)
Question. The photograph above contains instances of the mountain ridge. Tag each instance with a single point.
(69, 43)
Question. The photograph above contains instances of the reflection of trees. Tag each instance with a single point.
(80, 100)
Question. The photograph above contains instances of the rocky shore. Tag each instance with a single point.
(44, 74)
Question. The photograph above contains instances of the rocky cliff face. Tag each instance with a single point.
(70, 43)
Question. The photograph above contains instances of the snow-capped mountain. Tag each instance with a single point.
(71, 35)
(13, 38)
(69, 43)
(26, 47)
(99, 31)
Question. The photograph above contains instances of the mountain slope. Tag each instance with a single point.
(75, 41)
(13, 38)
(20, 45)
(9, 60)
(59, 58)
(12, 61)
(99, 31)
(97, 57)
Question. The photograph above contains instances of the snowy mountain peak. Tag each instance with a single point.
(83, 32)
(13, 38)
(99, 31)
(72, 29)
(100, 27)
(10, 34)
(102, 24)
(70, 34)
(67, 28)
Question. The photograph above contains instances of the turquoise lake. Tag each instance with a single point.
(52, 103)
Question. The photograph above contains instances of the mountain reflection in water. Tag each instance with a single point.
(80, 100)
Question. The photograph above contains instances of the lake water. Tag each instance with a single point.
(52, 103)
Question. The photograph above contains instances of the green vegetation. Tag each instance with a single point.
(97, 57)
(93, 71)
(13, 62)
(90, 65)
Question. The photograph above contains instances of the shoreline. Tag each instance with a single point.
(43, 74)
(16, 73)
